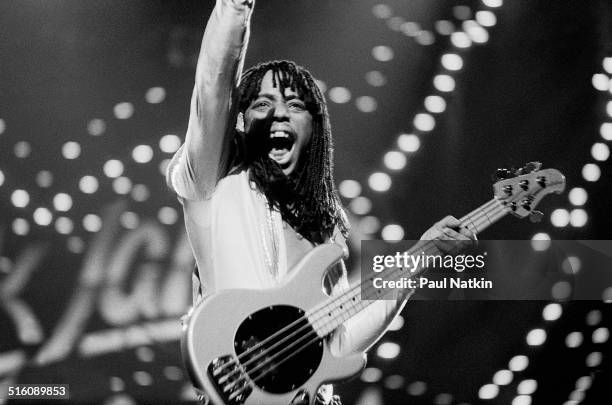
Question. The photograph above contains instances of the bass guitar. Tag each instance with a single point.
(269, 347)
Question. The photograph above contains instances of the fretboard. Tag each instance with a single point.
(361, 294)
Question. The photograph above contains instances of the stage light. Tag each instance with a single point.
(584, 383)
(503, 377)
(42, 216)
(518, 363)
(578, 196)
(540, 242)
(444, 83)
(417, 388)
(411, 28)
(88, 184)
(169, 143)
(395, 23)
(425, 38)
(578, 217)
(527, 387)
(395, 160)
(75, 244)
(71, 150)
(142, 154)
(488, 391)
(594, 359)
(20, 226)
(62, 202)
(366, 104)
(394, 382)
(600, 82)
(460, 39)
(477, 34)
(561, 290)
(382, 11)
(424, 122)
(409, 142)
(573, 339)
(369, 224)
(167, 215)
(601, 335)
(123, 111)
(64, 225)
(361, 205)
(521, 400)
(571, 265)
(607, 64)
(606, 131)
(44, 178)
(173, 373)
(560, 217)
(375, 78)
(493, 3)
(444, 27)
(140, 193)
(129, 220)
(392, 232)
(609, 108)
(1, 178)
(92, 223)
(371, 375)
(451, 61)
(339, 95)
(22, 149)
(435, 104)
(143, 378)
(379, 181)
(349, 188)
(2, 126)
(113, 168)
(155, 95)
(20, 198)
(443, 399)
(462, 12)
(600, 151)
(396, 324)
(117, 385)
(607, 295)
(96, 127)
(536, 337)
(486, 18)
(593, 317)
(382, 53)
(591, 172)
(163, 166)
(321, 84)
(145, 354)
(552, 312)
(122, 185)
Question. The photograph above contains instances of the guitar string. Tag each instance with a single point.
(346, 296)
(481, 212)
(317, 338)
(480, 218)
(481, 209)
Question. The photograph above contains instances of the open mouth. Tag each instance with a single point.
(280, 144)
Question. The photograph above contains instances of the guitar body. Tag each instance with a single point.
(234, 323)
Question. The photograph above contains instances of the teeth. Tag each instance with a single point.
(279, 134)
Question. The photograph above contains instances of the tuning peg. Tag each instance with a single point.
(501, 174)
(536, 216)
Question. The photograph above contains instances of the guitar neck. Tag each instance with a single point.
(362, 294)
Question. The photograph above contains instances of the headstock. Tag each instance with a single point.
(521, 190)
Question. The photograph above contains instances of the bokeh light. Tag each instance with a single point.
(379, 181)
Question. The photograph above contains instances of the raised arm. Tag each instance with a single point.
(203, 159)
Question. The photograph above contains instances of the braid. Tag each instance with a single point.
(307, 199)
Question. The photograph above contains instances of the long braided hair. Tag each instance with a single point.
(307, 199)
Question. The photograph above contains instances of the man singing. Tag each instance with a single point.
(255, 177)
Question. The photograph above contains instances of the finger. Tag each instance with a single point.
(449, 221)
(451, 234)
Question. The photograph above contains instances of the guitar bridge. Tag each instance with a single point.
(231, 381)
